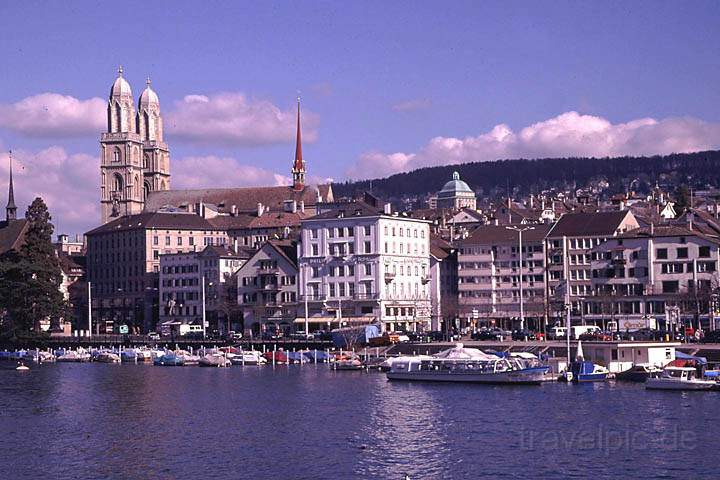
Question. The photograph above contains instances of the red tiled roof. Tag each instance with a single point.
(244, 199)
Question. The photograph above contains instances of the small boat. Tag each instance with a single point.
(169, 360)
(214, 360)
(107, 356)
(129, 355)
(585, 371)
(74, 356)
(348, 363)
(21, 367)
(639, 373)
(317, 356)
(187, 357)
(143, 355)
(679, 378)
(280, 356)
(296, 357)
(250, 357)
(460, 364)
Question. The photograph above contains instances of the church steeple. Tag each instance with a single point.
(11, 208)
(298, 169)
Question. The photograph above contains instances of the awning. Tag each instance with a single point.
(684, 356)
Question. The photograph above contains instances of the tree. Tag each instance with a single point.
(682, 198)
(30, 279)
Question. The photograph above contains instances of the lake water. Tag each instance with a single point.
(92, 421)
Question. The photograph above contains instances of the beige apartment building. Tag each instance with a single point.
(123, 264)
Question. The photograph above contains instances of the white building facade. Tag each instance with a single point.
(360, 265)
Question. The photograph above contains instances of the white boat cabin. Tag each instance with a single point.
(621, 356)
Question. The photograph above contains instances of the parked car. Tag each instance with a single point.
(524, 334)
(711, 337)
(597, 336)
(486, 334)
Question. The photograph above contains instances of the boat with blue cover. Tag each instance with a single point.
(169, 360)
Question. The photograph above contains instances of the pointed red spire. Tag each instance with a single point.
(298, 170)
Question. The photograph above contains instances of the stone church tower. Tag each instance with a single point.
(134, 160)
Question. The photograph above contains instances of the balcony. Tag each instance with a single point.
(389, 277)
(268, 271)
(270, 287)
(619, 261)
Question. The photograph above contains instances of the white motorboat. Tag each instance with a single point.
(250, 357)
(107, 357)
(679, 378)
(143, 355)
(21, 367)
(214, 360)
(74, 356)
(461, 364)
(187, 357)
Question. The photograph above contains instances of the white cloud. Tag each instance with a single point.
(224, 118)
(218, 172)
(568, 134)
(68, 183)
(54, 115)
(234, 119)
(412, 105)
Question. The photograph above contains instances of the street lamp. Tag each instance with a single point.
(520, 231)
(204, 315)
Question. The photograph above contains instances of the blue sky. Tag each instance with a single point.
(379, 80)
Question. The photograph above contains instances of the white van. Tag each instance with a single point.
(560, 332)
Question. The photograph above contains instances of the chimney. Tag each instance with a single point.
(387, 209)
(532, 201)
(235, 245)
(302, 206)
(233, 210)
(652, 229)
(260, 209)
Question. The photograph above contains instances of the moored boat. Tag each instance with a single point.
(248, 357)
(586, 371)
(639, 373)
(74, 356)
(461, 364)
(346, 361)
(679, 378)
(107, 357)
(280, 356)
(317, 356)
(214, 360)
(169, 360)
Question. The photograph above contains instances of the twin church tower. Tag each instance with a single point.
(134, 159)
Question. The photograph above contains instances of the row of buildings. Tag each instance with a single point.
(289, 258)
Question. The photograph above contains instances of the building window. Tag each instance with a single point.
(367, 229)
(314, 248)
(671, 286)
(682, 252)
(661, 253)
(156, 240)
(704, 252)
(179, 241)
(368, 269)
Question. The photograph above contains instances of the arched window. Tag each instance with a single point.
(137, 186)
(118, 117)
(147, 126)
(146, 162)
(118, 183)
(162, 185)
(146, 190)
(116, 155)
